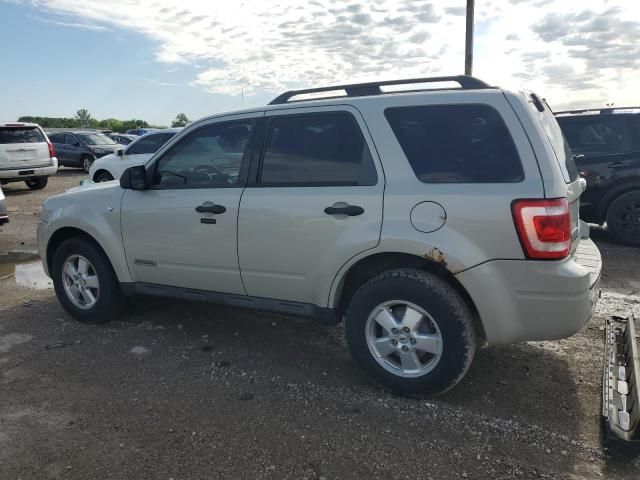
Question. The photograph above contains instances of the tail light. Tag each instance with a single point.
(52, 150)
(544, 227)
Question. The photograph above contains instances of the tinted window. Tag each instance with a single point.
(456, 143)
(326, 149)
(71, 140)
(149, 143)
(21, 135)
(209, 157)
(600, 134)
(56, 138)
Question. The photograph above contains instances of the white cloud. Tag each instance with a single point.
(571, 52)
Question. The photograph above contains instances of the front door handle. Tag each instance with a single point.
(350, 210)
(210, 207)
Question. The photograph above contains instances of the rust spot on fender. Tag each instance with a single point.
(436, 255)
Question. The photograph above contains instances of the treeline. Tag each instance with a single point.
(108, 124)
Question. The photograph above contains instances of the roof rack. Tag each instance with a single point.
(466, 82)
(598, 110)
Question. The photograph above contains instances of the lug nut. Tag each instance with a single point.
(413, 341)
(405, 348)
(394, 330)
(394, 341)
(405, 329)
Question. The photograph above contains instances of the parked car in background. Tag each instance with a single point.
(432, 222)
(122, 138)
(138, 152)
(26, 155)
(606, 143)
(4, 217)
(81, 148)
(140, 131)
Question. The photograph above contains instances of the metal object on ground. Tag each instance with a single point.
(621, 379)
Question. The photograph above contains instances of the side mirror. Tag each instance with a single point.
(134, 178)
(120, 152)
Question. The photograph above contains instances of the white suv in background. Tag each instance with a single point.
(26, 155)
(137, 152)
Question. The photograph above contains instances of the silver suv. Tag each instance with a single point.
(430, 221)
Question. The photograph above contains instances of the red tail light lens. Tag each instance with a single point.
(544, 227)
(52, 150)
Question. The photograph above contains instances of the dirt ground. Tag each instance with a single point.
(197, 391)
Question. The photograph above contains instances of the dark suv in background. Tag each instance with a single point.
(606, 143)
(81, 148)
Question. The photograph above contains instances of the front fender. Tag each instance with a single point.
(95, 212)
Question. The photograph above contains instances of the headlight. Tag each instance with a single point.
(99, 151)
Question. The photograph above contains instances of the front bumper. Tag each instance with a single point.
(42, 245)
(621, 378)
(30, 171)
(522, 300)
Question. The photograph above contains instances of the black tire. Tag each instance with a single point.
(86, 162)
(103, 177)
(36, 183)
(449, 311)
(110, 302)
(623, 218)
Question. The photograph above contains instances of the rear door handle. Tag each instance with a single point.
(210, 207)
(350, 210)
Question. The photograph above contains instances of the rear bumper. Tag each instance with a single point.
(18, 174)
(520, 300)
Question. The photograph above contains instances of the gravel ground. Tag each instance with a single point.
(193, 391)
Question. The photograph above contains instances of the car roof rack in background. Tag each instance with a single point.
(596, 110)
(466, 82)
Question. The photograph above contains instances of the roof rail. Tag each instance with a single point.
(599, 110)
(466, 82)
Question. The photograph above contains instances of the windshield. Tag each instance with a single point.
(95, 139)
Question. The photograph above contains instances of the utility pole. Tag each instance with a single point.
(468, 47)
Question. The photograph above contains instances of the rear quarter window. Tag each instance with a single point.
(456, 143)
(21, 135)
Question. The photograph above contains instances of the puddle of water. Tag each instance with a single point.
(26, 269)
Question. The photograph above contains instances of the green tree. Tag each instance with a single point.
(84, 117)
(180, 121)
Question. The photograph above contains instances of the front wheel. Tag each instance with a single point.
(103, 177)
(411, 332)
(85, 283)
(36, 183)
(623, 218)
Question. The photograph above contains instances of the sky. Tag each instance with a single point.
(152, 59)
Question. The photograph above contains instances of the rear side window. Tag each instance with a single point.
(21, 135)
(456, 143)
(602, 134)
(316, 149)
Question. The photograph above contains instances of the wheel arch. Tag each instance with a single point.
(66, 232)
(101, 170)
(370, 266)
(613, 194)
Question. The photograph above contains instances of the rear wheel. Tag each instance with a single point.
(36, 183)
(87, 161)
(85, 283)
(623, 218)
(411, 332)
(103, 177)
